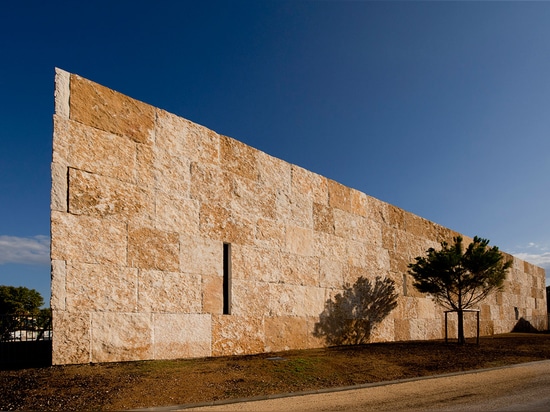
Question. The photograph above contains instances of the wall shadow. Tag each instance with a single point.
(350, 317)
(523, 325)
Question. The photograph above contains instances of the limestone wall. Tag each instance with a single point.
(142, 203)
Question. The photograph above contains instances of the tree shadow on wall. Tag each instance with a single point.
(350, 317)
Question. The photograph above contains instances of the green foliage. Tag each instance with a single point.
(20, 310)
(458, 279)
(19, 300)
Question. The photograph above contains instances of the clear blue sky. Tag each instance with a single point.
(440, 108)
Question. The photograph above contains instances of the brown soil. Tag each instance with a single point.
(128, 385)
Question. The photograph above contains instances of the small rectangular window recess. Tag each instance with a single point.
(227, 279)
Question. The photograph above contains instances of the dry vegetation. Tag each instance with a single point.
(130, 385)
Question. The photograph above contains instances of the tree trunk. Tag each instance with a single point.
(461, 339)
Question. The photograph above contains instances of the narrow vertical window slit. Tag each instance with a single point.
(226, 279)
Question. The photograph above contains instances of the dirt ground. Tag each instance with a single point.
(119, 386)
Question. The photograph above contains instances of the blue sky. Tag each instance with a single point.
(440, 108)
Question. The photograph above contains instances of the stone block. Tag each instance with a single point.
(288, 300)
(93, 287)
(210, 184)
(145, 173)
(103, 197)
(181, 137)
(153, 249)
(352, 273)
(182, 335)
(58, 200)
(323, 218)
(212, 294)
(486, 328)
(384, 331)
(313, 302)
(378, 210)
(61, 140)
(359, 203)
(58, 290)
(97, 151)
(299, 270)
(503, 326)
(410, 246)
(422, 329)
(408, 285)
(301, 211)
(274, 174)
(285, 333)
(359, 254)
(250, 298)
(177, 214)
(248, 198)
(169, 292)
(87, 239)
(427, 308)
(62, 92)
(237, 335)
(407, 308)
(395, 217)
(206, 144)
(420, 227)
(121, 337)
(331, 274)
(201, 256)
(329, 247)
(270, 233)
(238, 158)
(219, 223)
(402, 329)
(102, 108)
(256, 264)
(375, 259)
(339, 196)
(354, 227)
(72, 337)
(485, 313)
(313, 340)
(399, 263)
(299, 240)
(172, 173)
(320, 189)
(295, 208)
(305, 182)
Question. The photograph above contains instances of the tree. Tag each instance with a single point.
(458, 279)
(19, 300)
(20, 308)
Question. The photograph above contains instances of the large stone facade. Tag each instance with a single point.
(144, 201)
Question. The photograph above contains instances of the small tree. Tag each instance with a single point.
(459, 279)
(16, 305)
